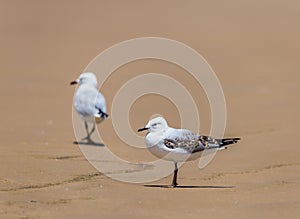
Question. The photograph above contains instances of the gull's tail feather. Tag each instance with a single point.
(219, 144)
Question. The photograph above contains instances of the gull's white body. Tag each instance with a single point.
(88, 100)
(155, 144)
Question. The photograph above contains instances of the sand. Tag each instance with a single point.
(252, 46)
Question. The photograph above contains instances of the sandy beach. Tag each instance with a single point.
(253, 47)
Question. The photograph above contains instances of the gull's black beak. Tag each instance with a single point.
(73, 82)
(142, 129)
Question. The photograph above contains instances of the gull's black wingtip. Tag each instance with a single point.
(228, 141)
(102, 114)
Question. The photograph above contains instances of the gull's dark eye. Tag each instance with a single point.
(155, 124)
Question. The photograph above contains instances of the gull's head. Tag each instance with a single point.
(155, 125)
(86, 78)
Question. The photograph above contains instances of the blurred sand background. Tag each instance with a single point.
(253, 46)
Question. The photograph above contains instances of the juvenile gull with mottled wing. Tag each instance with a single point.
(179, 145)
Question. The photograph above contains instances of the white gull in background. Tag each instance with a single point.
(89, 102)
(179, 145)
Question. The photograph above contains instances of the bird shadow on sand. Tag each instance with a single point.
(89, 143)
(190, 187)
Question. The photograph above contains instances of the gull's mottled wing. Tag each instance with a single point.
(191, 142)
(184, 139)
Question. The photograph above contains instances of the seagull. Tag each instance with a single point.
(179, 145)
(89, 102)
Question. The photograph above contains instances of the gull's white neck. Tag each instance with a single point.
(152, 138)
